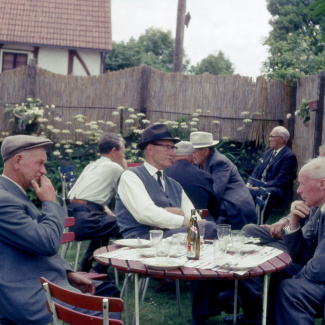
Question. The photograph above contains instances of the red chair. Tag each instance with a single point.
(85, 301)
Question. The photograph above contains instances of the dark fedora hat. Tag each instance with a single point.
(154, 133)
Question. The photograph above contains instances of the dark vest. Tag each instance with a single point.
(172, 197)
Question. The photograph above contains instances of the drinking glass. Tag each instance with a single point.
(162, 252)
(173, 246)
(181, 242)
(155, 237)
(223, 231)
(237, 240)
(219, 251)
(201, 231)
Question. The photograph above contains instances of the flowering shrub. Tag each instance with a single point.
(28, 116)
(78, 145)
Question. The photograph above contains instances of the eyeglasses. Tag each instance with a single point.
(275, 136)
(166, 146)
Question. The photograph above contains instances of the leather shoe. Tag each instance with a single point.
(243, 320)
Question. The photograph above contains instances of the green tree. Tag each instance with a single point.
(214, 64)
(154, 48)
(301, 54)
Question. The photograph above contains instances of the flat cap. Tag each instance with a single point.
(184, 148)
(17, 143)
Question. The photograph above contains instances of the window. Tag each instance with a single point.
(13, 60)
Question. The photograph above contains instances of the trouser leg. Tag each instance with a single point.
(299, 301)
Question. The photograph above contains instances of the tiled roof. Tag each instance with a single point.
(62, 23)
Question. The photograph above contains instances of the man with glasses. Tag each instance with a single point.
(147, 198)
(276, 171)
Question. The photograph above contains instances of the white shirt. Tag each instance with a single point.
(98, 181)
(136, 199)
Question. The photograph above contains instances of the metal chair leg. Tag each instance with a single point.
(178, 297)
(77, 255)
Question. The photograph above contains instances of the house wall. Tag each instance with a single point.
(56, 60)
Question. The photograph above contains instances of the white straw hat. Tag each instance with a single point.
(202, 140)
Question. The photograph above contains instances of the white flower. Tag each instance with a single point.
(133, 116)
(79, 130)
(192, 123)
(66, 146)
(195, 119)
(57, 118)
(289, 116)
(130, 109)
(115, 113)
(141, 114)
(129, 121)
(297, 112)
(56, 153)
(65, 131)
(101, 122)
(145, 121)
(68, 123)
(247, 120)
(80, 120)
(56, 131)
(184, 126)
(69, 151)
(121, 107)
(199, 110)
(79, 143)
(57, 145)
(244, 113)
(216, 122)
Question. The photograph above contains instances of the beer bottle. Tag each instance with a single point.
(193, 238)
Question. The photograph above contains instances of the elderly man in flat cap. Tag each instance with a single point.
(238, 208)
(30, 239)
(197, 183)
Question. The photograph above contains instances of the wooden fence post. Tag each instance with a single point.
(319, 115)
(144, 91)
(292, 109)
(31, 79)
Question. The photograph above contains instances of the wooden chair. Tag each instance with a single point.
(261, 202)
(85, 301)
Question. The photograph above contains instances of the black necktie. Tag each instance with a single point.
(267, 166)
(159, 178)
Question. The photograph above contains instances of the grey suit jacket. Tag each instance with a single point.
(29, 243)
(299, 245)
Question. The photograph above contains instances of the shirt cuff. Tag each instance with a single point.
(288, 231)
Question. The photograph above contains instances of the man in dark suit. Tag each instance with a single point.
(297, 293)
(276, 171)
(29, 238)
(197, 184)
(237, 205)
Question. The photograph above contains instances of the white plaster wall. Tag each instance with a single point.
(54, 60)
(92, 61)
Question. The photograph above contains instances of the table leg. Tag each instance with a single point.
(136, 291)
(235, 302)
(265, 290)
(126, 299)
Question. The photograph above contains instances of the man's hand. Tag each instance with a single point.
(299, 210)
(109, 211)
(81, 282)
(45, 191)
(276, 228)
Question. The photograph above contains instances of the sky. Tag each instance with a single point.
(235, 27)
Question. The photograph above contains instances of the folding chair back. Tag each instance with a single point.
(261, 201)
(87, 302)
(68, 178)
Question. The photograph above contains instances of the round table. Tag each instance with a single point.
(273, 265)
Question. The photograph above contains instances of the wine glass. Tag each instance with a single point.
(223, 232)
(237, 240)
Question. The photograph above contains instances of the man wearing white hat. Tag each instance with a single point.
(197, 184)
(238, 207)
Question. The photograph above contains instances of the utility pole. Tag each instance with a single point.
(179, 40)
